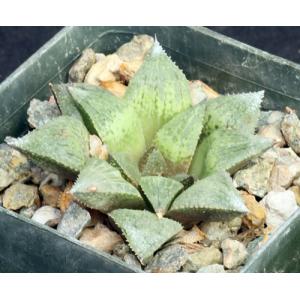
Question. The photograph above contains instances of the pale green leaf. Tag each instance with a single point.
(112, 120)
(158, 91)
(62, 145)
(101, 186)
(160, 192)
(235, 112)
(213, 197)
(226, 150)
(177, 140)
(144, 231)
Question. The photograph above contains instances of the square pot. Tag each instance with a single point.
(225, 64)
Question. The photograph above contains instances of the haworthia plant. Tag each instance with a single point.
(226, 150)
(160, 192)
(213, 197)
(158, 92)
(144, 231)
(101, 186)
(62, 145)
(164, 154)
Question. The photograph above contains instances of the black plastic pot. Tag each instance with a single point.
(225, 64)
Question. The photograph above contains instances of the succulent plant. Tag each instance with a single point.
(169, 161)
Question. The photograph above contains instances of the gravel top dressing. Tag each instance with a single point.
(166, 174)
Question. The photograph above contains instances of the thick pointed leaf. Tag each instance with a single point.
(101, 186)
(144, 231)
(112, 120)
(62, 145)
(226, 150)
(158, 91)
(64, 100)
(128, 167)
(236, 112)
(153, 163)
(213, 197)
(178, 139)
(160, 192)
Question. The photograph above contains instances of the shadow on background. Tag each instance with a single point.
(18, 43)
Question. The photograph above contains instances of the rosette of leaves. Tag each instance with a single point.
(169, 162)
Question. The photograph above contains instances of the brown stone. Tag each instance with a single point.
(100, 237)
(51, 195)
(257, 213)
(66, 197)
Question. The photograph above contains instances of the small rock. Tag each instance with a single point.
(290, 127)
(279, 206)
(215, 268)
(194, 235)
(37, 175)
(296, 190)
(104, 70)
(286, 167)
(197, 93)
(100, 237)
(270, 117)
(50, 195)
(234, 253)
(14, 166)
(273, 132)
(82, 65)
(136, 49)
(66, 198)
(28, 212)
(221, 230)
(204, 257)
(115, 87)
(47, 215)
(257, 214)
(255, 178)
(41, 112)
(128, 69)
(121, 249)
(297, 181)
(99, 56)
(53, 179)
(74, 220)
(97, 149)
(131, 260)
(168, 260)
(20, 195)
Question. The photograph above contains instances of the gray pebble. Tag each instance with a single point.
(74, 221)
(28, 212)
(234, 253)
(47, 215)
(203, 257)
(82, 66)
(215, 268)
(14, 166)
(41, 112)
(168, 260)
